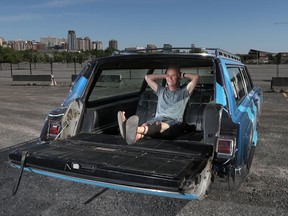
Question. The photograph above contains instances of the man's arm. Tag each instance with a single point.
(151, 80)
(194, 78)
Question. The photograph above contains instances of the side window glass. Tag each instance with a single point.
(247, 79)
(238, 84)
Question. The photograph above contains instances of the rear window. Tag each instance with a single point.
(205, 73)
(125, 77)
(114, 82)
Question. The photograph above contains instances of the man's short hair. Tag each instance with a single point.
(174, 68)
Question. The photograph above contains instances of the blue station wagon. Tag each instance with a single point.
(80, 141)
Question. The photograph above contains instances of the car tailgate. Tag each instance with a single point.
(151, 163)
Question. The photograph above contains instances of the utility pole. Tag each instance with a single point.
(278, 60)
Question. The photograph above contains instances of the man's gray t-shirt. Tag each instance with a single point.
(171, 104)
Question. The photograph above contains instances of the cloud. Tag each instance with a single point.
(18, 17)
(57, 3)
(61, 3)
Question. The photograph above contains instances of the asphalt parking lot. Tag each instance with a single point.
(24, 108)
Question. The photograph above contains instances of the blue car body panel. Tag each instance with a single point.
(244, 114)
(76, 90)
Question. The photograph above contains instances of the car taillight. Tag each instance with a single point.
(54, 128)
(226, 147)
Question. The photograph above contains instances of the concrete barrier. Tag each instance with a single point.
(279, 84)
(33, 80)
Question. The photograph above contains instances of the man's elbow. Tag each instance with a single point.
(147, 77)
(194, 78)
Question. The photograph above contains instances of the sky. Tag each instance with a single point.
(233, 25)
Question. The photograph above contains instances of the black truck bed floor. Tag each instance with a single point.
(107, 158)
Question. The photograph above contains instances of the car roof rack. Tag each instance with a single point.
(186, 50)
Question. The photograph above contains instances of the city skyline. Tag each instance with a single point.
(233, 26)
(70, 43)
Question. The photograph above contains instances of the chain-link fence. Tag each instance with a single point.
(267, 71)
(64, 71)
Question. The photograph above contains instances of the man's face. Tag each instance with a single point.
(172, 77)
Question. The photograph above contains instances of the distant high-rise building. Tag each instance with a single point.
(151, 48)
(97, 45)
(19, 45)
(80, 44)
(84, 44)
(113, 44)
(72, 43)
(1, 41)
(64, 45)
(48, 41)
(87, 43)
(51, 42)
(167, 47)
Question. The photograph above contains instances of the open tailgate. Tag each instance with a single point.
(149, 164)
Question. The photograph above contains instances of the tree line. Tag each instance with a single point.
(8, 55)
